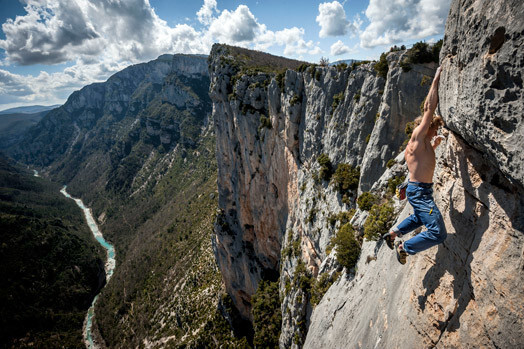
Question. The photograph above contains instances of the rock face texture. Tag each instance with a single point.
(277, 215)
(483, 73)
(270, 133)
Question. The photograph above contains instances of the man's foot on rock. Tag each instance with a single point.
(402, 255)
(390, 239)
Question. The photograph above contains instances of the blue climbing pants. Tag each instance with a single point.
(420, 196)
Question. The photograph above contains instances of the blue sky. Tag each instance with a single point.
(50, 48)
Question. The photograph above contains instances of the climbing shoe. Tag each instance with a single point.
(390, 239)
(401, 254)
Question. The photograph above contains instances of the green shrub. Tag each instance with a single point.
(295, 99)
(345, 199)
(391, 163)
(265, 122)
(321, 285)
(312, 215)
(303, 187)
(280, 78)
(419, 53)
(408, 130)
(295, 246)
(326, 167)
(368, 137)
(404, 64)
(393, 183)
(339, 97)
(379, 221)
(302, 68)
(435, 50)
(382, 66)
(346, 177)
(425, 80)
(341, 66)
(343, 216)
(346, 246)
(356, 97)
(267, 316)
(302, 277)
(366, 200)
(318, 75)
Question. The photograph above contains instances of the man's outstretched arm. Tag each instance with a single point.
(429, 107)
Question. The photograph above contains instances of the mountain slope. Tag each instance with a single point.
(138, 149)
(50, 264)
(14, 125)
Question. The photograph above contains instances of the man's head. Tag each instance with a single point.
(434, 126)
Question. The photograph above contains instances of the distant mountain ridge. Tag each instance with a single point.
(346, 61)
(29, 109)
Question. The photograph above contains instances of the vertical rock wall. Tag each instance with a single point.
(267, 192)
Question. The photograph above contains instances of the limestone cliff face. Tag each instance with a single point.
(275, 212)
(267, 192)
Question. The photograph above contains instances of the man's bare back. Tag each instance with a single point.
(420, 152)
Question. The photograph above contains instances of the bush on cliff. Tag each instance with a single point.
(321, 285)
(379, 221)
(326, 167)
(339, 97)
(393, 183)
(267, 316)
(265, 122)
(366, 201)
(346, 246)
(346, 178)
(382, 66)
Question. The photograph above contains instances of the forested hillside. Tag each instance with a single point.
(50, 265)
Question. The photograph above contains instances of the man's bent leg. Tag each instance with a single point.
(409, 224)
(434, 235)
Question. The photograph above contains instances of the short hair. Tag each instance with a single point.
(436, 122)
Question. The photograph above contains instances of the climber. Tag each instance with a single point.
(420, 158)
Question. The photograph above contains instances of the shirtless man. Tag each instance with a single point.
(420, 158)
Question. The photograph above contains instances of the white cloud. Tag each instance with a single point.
(57, 31)
(338, 48)
(206, 12)
(393, 21)
(99, 38)
(236, 26)
(332, 19)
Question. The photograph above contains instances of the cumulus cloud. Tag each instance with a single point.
(338, 48)
(97, 38)
(235, 26)
(207, 11)
(393, 21)
(332, 20)
(57, 31)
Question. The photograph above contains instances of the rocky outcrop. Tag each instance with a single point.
(482, 98)
(464, 291)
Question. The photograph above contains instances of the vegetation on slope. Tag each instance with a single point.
(50, 264)
(168, 285)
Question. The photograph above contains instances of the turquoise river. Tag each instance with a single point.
(109, 266)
